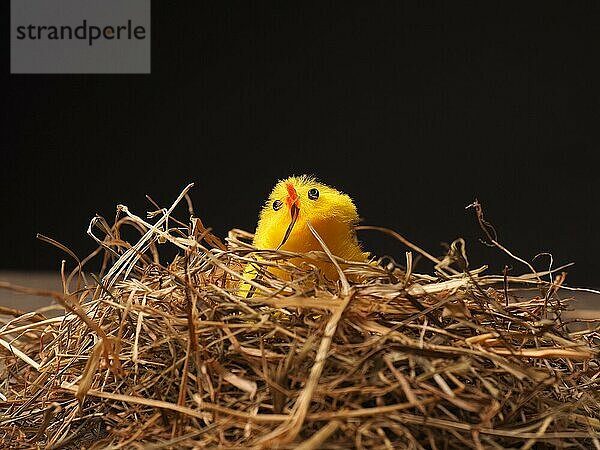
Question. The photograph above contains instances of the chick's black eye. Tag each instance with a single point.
(313, 194)
(277, 204)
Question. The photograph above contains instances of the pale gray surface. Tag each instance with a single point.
(586, 305)
(36, 280)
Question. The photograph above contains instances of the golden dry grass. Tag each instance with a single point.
(150, 355)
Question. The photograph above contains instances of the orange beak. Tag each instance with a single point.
(293, 203)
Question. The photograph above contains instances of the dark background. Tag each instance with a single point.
(413, 112)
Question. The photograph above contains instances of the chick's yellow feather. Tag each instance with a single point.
(296, 201)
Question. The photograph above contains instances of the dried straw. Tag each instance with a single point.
(152, 355)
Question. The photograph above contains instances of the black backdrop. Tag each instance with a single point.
(413, 112)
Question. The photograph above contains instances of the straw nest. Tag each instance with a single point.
(148, 355)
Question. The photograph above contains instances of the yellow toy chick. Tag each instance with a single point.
(296, 201)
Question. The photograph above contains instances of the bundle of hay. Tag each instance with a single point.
(148, 355)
